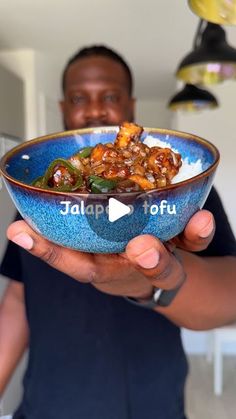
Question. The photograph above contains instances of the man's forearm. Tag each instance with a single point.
(13, 336)
(207, 299)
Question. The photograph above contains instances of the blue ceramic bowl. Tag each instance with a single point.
(161, 212)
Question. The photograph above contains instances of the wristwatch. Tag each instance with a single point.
(160, 297)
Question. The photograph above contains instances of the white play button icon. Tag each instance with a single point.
(117, 210)
(106, 218)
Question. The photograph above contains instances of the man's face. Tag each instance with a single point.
(96, 94)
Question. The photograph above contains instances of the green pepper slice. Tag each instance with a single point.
(85, 152)
(38, 182)
(100, 185)
(71, 169)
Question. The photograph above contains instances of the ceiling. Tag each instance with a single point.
(153, 35)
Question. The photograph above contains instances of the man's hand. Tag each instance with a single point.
(146, 262)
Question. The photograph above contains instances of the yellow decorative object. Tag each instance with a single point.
(216, 11)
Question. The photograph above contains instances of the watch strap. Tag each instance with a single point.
(160, 297)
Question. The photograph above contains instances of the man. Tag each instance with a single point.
(101, 355)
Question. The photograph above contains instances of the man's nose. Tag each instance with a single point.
(95, 110)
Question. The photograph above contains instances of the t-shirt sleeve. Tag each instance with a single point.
(11, 265)
(223, 243)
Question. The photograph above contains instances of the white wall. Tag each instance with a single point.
(217, 126)
(48, 87)
(22, 64)
(41, 76)
(153, 114)
(11, 103)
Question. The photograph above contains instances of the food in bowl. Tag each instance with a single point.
(126, 165)
(162, 212)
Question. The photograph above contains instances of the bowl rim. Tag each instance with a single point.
(104, 129)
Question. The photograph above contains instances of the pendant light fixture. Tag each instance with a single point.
(212, 59)
(216, 11)
(191, 98)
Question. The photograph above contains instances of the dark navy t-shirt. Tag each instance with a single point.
(96, 356)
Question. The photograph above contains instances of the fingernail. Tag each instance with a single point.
(23, 240)
(206, 231)
(148, 259)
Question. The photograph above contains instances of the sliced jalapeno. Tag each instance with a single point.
(63, 188)
(100, 185)
(85, 152)
(38, 182)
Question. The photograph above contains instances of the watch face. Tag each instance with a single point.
(160, 297)
(157, 294)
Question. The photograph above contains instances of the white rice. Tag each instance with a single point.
(187, 169)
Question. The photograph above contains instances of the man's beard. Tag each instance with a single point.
(91, 124)
(96, 123)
